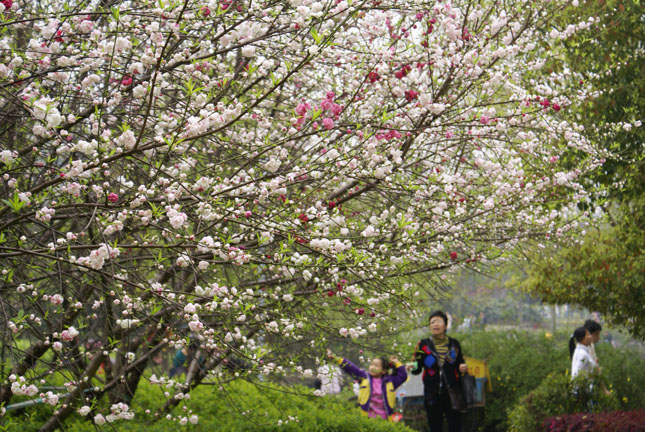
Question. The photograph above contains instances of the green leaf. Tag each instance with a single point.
(15, 203)
(316, 36)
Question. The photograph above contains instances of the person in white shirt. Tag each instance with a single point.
(582, 359)
(594, 328)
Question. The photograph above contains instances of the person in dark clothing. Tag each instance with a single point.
(440, 359)
(179, 360)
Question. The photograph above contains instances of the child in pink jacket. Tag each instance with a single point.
(376, 396)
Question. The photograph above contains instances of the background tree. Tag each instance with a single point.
(604, 270)
(259, 176)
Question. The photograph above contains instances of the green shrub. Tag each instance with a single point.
(624, 371)
(518, 361)
(558, 394)
(239, 406)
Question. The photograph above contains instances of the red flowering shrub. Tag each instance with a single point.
(614, 421)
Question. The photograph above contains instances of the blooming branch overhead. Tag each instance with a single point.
(246, 173)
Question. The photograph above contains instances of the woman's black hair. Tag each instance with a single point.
(385, 364)
(439, 314)
(578, 335)
(592, 326)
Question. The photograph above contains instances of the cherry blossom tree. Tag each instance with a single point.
(258, 175)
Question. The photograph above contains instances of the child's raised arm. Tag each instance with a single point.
(400, 374)
(347, 366)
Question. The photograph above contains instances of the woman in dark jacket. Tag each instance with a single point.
(440, 359)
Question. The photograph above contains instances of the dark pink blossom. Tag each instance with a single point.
(403, 71)
(373, 76)
(411, 95)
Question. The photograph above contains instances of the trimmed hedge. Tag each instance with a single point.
(614, 421)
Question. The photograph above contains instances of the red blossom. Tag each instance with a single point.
(7, 3)
(453, 255)
(403, 71)
(411, 95)
(112, 197)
